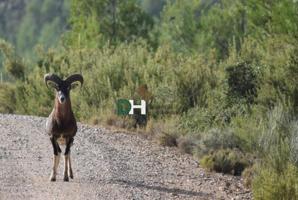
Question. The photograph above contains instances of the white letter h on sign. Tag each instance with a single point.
(142, 107)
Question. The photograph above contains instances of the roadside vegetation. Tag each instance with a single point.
(221, 78)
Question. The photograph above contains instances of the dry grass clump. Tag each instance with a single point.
(165, 133)
(186, 144)
(248, 175)
(167, 139)
(225, 161)
(120, 122)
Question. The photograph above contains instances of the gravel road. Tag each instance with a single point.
(107, 165)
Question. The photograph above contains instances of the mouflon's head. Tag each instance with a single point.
(63, 87)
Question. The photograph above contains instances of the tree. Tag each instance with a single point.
(43, 22)
(196, 26)
(273, 17)
(93, 22)
(153, 7)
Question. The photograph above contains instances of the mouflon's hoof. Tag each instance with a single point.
(66, 179)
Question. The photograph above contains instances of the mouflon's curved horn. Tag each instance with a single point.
(52, 77)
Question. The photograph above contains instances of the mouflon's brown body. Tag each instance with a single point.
(62, 121)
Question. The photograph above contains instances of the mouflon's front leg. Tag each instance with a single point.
(67, 164)
(56, 159)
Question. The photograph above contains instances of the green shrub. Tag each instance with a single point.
(15, 68)
(277, 176)
(200, 119)
(293, 142)
(248, 175)
(248, 127)
(225, 161)
(7, 98)
(194, 79)
(12, 63)
(270, 184)
(274, 142)
(216, 139)
(277, 85)
(218, 113)
(242, 81)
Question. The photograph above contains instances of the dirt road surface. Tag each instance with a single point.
(106, 165)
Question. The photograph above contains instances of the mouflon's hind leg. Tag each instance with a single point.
(56, 159)
(58, 147)
(66, 158)
(70, 168)
(67, 163)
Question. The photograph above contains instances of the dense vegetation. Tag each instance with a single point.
(220, 75)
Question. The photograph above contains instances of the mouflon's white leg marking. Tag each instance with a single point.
(70, 168)
(66, 162)
(56, 159)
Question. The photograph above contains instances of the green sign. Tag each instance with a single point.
(123, 107)
(127, 107)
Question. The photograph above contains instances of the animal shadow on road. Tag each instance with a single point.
(176, 191)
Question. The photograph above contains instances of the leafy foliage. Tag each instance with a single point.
(27, 23)
(7, 99)
(242, 81)
(272, 184)
(12, 63)
(96, 21)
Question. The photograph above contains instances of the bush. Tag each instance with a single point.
(274, 142)
(270, 184)
(225, 161)
(216, 139)
(15, 68)
(242, 81)
(248, 175)
(165, 132)
(7, 98)
(194, 80)
(277, 176)
(278, 72)
(167, 139)
(248, 127)
(201, 119)
(219, 113)
(186, 144)
(12, 63)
